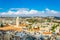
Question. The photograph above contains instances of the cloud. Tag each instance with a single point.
(14, 8)
(1, 8)
(32, 12)
(51, 11)
(47, 9)
(20, 11)
(8, 13)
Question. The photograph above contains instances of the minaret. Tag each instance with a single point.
(17, 22)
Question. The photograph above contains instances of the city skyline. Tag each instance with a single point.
(29, 8)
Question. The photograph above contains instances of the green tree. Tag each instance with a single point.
(1, 25)
(53, 27)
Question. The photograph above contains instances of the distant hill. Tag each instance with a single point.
(57, 18)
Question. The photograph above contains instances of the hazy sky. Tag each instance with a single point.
(30, 7)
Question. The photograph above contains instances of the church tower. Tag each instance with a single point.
(17, 22)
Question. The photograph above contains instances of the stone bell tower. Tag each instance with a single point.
(17, 22)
